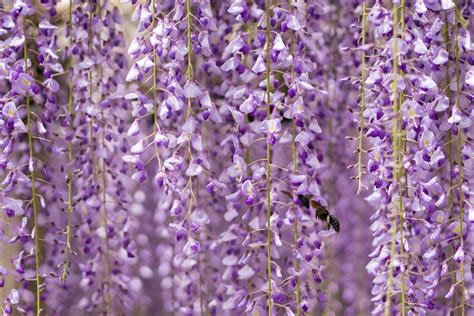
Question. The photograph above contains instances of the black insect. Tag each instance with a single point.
(334, 222)
(321, 212)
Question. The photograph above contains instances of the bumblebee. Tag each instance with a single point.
(321, 212)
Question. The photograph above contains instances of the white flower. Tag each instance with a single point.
(447, 4)
(427, 83)
(292, 23)
(278, 43)
(469, 79)
(192, 247)
(133, 74)
(271, 126)
(259, 65)
(191, 90)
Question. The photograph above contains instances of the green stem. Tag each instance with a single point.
(188, 18)
(451, 155)
(91, 127)
(403, 143)
(295, 164)
(155, 110)
(269, 207)
(33, 180)
(247, 158)
(104, 201)
(396, 154)
(190, 155)
(70, 155)
(362, 100)
(155, 76)
(106, 224)
(205, 261)
(460, 171)
(400, 172)
(202, 294)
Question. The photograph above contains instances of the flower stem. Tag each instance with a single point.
(70, 155)
(155, 78)
(202, 294)
(155, 110)
(106, 224)
(90, 93)
(451, 155)
(295, 163)
(106, 218)
(269, 207)
(460, 171)
(33, 180)
(400, 172)
(188, 18)
(396, 154)
(247, 157)
(362, 99)
(193, 195)
(404, 172)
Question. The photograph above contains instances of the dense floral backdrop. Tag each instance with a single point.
(236, 157)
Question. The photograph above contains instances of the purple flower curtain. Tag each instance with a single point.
(236, 157)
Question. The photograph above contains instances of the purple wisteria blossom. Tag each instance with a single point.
(236, 157)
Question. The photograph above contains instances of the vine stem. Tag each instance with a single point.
(155, 76)
(247, 158)
(295, 164)
(396, 154)
(70, 155)
(33, 179)
(269, 208)
(104, 199)
(362, 99)
(460, 171)
(404, 172)
(106, 224)
(451, 154)
(400, 173)
(188, 18)
(153, 24)
(190, 76)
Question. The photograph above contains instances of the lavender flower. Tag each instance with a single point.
(195, 158)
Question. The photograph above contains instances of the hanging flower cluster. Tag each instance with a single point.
(417, 116)
(236, 157)
(64, 224)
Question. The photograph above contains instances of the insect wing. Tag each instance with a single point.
(321, 212)
(334, 222)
